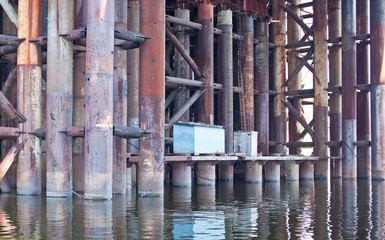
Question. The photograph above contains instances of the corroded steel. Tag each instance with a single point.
(279, 62)
(182, 68)
(349, 80)
(246, 60)
(79, 93)
(9, 133)
(272, 172)
(225, 76)
(321, 77)
(11, 112)
(377, 48)
(150, 169)
(10, 11)
(133, 77)
(9, 158)
(293, 37)
(9, 82)
(335, 75)
(29, 95)
(181, 174)
(10, 40)
(262, 82)
(99, 99)
(120, 102)
(206, 61)
(253, 172)
(363, 97)
(59, 99)
(206, 170)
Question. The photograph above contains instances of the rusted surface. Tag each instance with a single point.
(262, 83)
(59, 99)
(99, 100)
(9, 158)
(9, 132)
(349, 80)
(206, 61)
(205, 173)
(133, 76)
(247, 68)
(29, 92)
(10, 40)
(377, 48)
(279, 60)
(150, 168)
(79, 93)
(335, 74)
(363, 118)
(182, 68)
(76, 131)
(321, 79)
(120, 103)
(11, 112)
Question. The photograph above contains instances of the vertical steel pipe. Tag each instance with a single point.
(182, 69)
(279, 67)
(151, 97)
(377, 48)
(261, 72)
(79, 94)
(205, 61)
(363, 119)
(321, 78)
(133, 24)
(99, 99)
(206, 170)
(225, 75)
(181, 171)
(247, 67)
(29, 93)
(293, 36)
(120, 103)
(59, 99)
(349, 80)
(335, 75)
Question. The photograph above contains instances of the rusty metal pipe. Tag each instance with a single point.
(10, 40)
(349, 80)
(9, 132)
(7, 49)
(59, 99)
(29, 95)
(321, 79)
(99, 99)
(129, 35)
(377, 48)
(335, 74)
(150, 168)
(246, 60)
(363, 97)
(262, 83)
(10, 81)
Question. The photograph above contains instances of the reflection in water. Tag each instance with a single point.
(340, 209)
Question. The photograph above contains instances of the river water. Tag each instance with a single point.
(339, 209)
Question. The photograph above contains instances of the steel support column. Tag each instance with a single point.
(181, 174)
(253, 172)
(321, 77)
(59, 99)
(363, 97)
(99, 99)
(247, 67)
(279, 66)
(261, 72)
(225, 75)
(120, 103)
(206, 170)
(377, 48)
(133, 24)
(272, 171)
(151, 98)
(182, 69)
(349, 80)
(335, 75)
(29, 94)
(293, 36)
